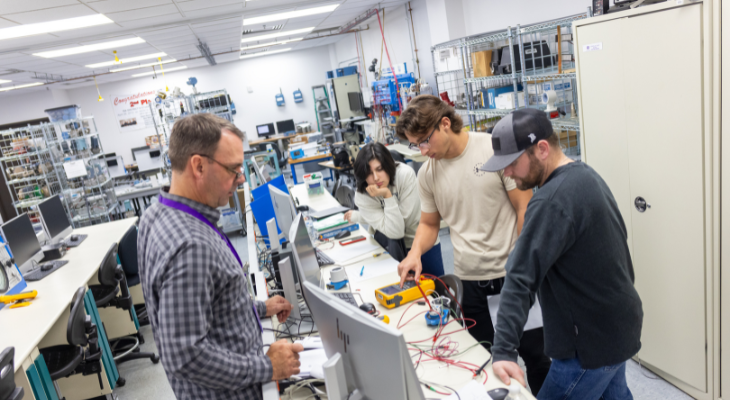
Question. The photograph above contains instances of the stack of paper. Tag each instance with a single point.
(331, 226)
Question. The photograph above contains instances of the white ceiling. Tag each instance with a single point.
(170, 26)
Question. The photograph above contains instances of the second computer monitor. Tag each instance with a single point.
(265, 130)
(286, 127)
(23, 242)
(54, 218)
(305, 258)
(283, 209)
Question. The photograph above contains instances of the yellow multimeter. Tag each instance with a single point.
(12, 298)
(392, 296)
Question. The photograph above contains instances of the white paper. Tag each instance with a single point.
(471, 391)
(534, 317)
(342, 254)
(311, 342)
(74, 169)
(311, 359)
(370, 271)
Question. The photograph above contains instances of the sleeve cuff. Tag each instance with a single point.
(261, 308)
(264, 371)
(503, 355)
(355, 217)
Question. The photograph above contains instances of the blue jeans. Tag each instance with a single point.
(432, 261)
(567, 380)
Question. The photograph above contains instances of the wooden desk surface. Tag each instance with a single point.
(307, 159)
(27, 326)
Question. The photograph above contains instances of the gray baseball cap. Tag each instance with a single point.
(515, 133)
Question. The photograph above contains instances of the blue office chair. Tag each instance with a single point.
(8, 391)
(74, 358)
(113, 291)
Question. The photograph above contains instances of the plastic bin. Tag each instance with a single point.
(64, 113)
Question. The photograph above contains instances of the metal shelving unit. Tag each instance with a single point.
(549, 66)
(90, 198)
(28, 169)
(215, 102)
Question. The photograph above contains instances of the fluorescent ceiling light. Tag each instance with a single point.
(54, 26)
(289, 14)
(264, 53)
(270, 44)
(158, 72)
(4, 81)
(5, 89)
(126, 60)
(143, 65)
(277, 34)
(90, 47)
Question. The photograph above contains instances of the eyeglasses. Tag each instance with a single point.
(231, 170)
(424, 144)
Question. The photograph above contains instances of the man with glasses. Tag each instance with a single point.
(484, 210)
(205, 323)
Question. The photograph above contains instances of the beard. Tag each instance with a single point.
(534, 177)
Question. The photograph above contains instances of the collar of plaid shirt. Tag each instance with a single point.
(192, 212)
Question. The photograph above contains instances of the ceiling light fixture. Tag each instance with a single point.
(270, 44)
(277, 34)
(264, 53)
(126, 60)
(289, 14)
(5, 89)
(4, 81)
(54, 26)
(154, 72)
(143, 65)
(90, 47)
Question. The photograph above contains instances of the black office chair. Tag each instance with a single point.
(72, 358)
(113, 291)
(128, 257)
(454, 290)
(397, 156)
(8, 391)
(345, 196)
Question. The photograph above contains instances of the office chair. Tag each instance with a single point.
(397, 156)
(345, 196)
(454, 290)
(8, 391)
(113, 281)
(128, 257)
(71, 359)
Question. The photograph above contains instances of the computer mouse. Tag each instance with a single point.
(46, 266)
(498, 394)
(367, 307)
(343, 235)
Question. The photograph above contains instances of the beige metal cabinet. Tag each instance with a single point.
(643, 90)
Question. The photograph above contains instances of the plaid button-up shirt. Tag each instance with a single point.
(199, 306)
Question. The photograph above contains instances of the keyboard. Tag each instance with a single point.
(37, 274)
(322, 258)
(347, 297)
(74, 243)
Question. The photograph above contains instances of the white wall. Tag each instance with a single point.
(482, 16)
(290, 71)
(28, 106)
(399, 46)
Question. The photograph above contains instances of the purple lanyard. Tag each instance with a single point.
(190, 211)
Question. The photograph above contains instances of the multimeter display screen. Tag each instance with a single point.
(393, 289)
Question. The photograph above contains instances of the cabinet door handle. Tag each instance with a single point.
(641, 204)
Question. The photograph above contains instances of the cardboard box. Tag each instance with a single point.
(241, 200)
(481, 61)
(568, 139)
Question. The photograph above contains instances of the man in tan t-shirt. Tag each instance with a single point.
(484, 210)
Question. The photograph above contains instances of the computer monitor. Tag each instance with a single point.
(54, 219)
(363, 343)
(283, 209)
(265, 130)
(355, 99)
(23, 242)
(286, 127)
(305, 258)
(289, 285)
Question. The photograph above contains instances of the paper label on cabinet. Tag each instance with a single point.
(593, 47)
(74, 169)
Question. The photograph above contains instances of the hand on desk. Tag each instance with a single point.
(506, 369)
(284, 359)
(410, 263)
(348, 216)
(279, 306)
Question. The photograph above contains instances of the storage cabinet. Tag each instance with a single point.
(644, 89)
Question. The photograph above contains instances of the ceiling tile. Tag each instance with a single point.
(19, 6)
(147, 22)
(200, 4)
(113, 6)
(144, 13)
(216, 11)
(50, 14)
(4, 23)
(223, 21)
